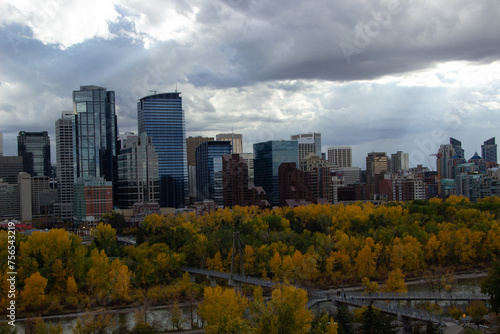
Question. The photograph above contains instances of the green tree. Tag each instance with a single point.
(105, 238)
(374, 322)
(344, 320)
(491, 286)
(116, 220)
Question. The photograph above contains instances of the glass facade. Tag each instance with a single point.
(95, 133)
(209, 174)
(162, 118)
(34, 147)
(489, 150)
(268, 156)
(138, 178)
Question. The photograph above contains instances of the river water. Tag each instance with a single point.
(161, 316)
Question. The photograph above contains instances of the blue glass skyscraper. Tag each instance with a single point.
(268, 156)
(162, 118)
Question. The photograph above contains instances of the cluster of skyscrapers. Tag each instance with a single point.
(99, 170)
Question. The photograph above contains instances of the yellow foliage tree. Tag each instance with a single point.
(119, 279)
(369, 286)
(33, 296)
(286, 312)
(366, 261)
(396, 282)
(223, 311)
(216, 263)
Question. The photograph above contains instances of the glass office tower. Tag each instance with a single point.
(95, 133)
(268, 156)
(489, 150)
(34, 147)
(209, 170)
(162, 118)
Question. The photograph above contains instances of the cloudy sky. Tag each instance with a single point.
(375, 75)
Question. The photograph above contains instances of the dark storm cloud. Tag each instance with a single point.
(292, 40)
(266, 68)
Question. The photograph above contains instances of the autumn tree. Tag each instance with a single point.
(33, 296)
(477, 310)
(324, 325)
(96, 322)
(366, 261)
(396, 282)
(286, 312)
(223, 311)
(369, 286)
(105, 238)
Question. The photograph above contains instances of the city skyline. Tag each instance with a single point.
(376, 76)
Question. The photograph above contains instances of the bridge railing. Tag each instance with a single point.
(409, 296)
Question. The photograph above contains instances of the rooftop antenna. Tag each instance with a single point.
(176, 87)
(153, 91)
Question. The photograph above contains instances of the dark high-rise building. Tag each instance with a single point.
(63, 209)
(191, 145)
(457, 146)
(376, 167)
(10, 167)
(489, 150)
(235, 180)
(95, 133)
(34, 147)
(268, 158)
(293, 185)
(209, 171)
(162, 118)
(138, 180)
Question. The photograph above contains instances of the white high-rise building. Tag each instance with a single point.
(340, 156)
(308, 143)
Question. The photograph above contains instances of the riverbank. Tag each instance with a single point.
(130, 309)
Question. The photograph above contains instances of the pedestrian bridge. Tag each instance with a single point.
(233, 279)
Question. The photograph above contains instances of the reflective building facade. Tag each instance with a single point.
(209, 170)
(489, 150)
(34, 147)
(268, 156)
(162, 118)
(94, 133)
